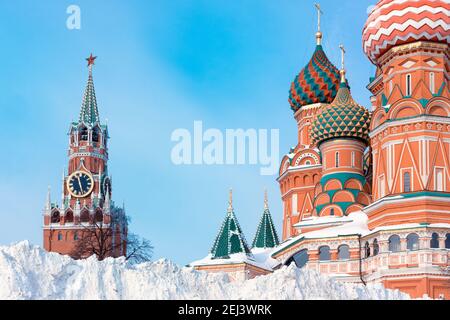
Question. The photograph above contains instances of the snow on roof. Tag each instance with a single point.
(261, 259)
(356, 224)
(318, 221)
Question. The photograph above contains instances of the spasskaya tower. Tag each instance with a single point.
(86, 187)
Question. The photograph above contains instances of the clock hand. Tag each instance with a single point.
(79, 182)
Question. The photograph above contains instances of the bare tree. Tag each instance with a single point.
(103, 236)
(139, 249)
(110, 238)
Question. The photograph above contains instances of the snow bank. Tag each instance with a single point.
(28, 272)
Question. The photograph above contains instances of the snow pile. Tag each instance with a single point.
(28, 272)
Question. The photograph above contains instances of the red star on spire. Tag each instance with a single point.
(91, 60)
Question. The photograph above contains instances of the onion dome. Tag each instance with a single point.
(343, 118)
(396, 22)
(318, 82)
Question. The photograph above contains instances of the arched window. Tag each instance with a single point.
(367, 249)
(447, 241)
(69, 217)
(95, 135)
(332, 212)
(394, 243)
(84, 217)
(84, 134)
(337, 159)
(56, 218)
(300, 259)
(324, 253)
(98, 217)
(344, 252)
(376, 247)
(407, 182)
(432, 86)
(308, 163)
(412, 241)
(60, 236)
(408, 85)
(434, 242)
(75, 236)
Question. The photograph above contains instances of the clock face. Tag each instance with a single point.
(80, 184)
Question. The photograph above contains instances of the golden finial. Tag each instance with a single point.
(319, 33)
(230, 201)
(266, 200)
(342, 62)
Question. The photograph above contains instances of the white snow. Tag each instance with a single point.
(28, 272)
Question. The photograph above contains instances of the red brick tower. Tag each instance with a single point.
(86, 188)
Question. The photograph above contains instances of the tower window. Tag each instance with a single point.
(332, 212)
(337, 159)
(75, 236)
(434, 243)
(432, 86)
(367, 250)
(407, 182)
(376, 247)
(394, 243)
(84, 134)
(412, 242)
(408, 85)
(324, 253)
(439, 179)
(344, 252)
(60, 236)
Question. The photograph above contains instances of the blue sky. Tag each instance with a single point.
(161, 65)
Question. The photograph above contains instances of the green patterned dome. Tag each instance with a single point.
(342, 118)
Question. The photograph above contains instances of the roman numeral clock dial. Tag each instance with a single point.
(80, 184)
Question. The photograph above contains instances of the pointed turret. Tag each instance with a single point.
(48, 203)
(230, 239)
(266, 236)
(89, 111)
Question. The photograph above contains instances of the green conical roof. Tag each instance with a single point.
(89, 110)
(266, 235)
(230, 239)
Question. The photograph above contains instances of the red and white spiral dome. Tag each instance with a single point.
(396, 22)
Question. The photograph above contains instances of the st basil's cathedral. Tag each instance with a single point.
(366, 191)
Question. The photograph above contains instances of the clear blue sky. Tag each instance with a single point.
(161, 65)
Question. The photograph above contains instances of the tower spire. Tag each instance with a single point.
(48, 201)
(230, 201)
(89, 110)
(319, 32)
(343, 80)
(266, 200)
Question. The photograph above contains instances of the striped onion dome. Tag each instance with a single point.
(396, 22)
(318, 82)
(342, 118)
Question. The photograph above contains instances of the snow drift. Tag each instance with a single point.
(28, 272)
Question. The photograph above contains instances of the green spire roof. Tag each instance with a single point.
(230, 239)
(266, 235)
(89, 111)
